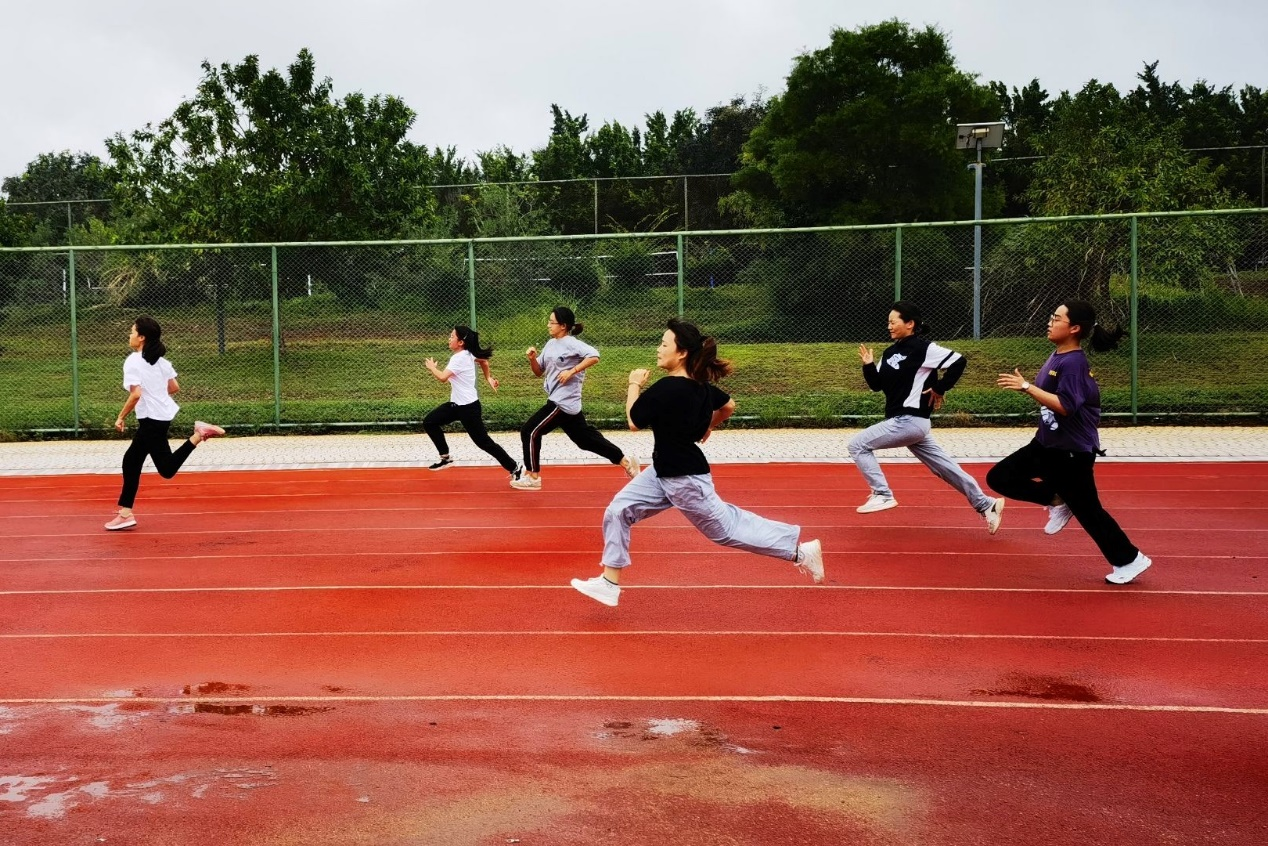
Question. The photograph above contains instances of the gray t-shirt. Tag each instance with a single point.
(558, 355)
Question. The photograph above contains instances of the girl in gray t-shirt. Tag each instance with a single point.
(562, 362)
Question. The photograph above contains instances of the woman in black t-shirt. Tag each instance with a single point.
(681, 410)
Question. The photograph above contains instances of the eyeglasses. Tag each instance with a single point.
(1056, 318)
(553, 323)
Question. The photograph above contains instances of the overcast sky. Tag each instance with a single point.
(482, 73)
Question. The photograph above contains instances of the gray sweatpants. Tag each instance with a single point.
(913, 433)
(648, 494)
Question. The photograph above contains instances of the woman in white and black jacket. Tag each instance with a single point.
(908, 374)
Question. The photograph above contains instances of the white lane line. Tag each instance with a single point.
(484, 526)
(485, 509)
(528, 697)
(256, 556)
(630, 633)
(283, 588)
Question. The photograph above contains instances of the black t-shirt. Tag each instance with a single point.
(678, 410)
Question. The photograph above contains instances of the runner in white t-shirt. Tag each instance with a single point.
(464, 402)
(150, 381)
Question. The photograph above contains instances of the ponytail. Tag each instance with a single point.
(1081, 314)
(147, 327)
(470, 339)
(703, 364)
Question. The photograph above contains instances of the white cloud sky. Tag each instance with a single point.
(485, 72)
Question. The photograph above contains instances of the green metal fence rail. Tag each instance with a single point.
(315, 335)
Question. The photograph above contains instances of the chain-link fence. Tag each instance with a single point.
(594, 206)
(318, 336)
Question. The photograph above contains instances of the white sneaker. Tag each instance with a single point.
(526, 482)
(207, 430)
(631, 466)
(877, 502)
(599, 589)
(1123, 575)
(1058, 516)
(994, 515)
(810, 560)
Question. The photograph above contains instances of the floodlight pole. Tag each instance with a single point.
(977, 244)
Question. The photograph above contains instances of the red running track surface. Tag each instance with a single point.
(394, 656)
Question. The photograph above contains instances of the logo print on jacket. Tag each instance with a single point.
(895, 360)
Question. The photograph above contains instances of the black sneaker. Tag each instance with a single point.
(517, 473)
(445, 461)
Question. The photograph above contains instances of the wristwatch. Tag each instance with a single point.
(1025, 386)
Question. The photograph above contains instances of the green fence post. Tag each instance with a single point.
(898, 263)
(277, 351)
(471, 282)
(1135, 299)
(74, 342)
(682, 264)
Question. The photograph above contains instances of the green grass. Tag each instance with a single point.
(365, 369)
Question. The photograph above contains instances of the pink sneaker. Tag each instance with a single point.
(121, 522)
(207, 430)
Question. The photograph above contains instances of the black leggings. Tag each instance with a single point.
(473, 421)
(1036, 473)
(150, 439)
(547, 419)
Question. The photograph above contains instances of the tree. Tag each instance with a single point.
(716, 143)
(1105, 154)
(1026, 113)
(261, 156)
(1101, 155)
(55, 178)
(864, 133)
(566, 156)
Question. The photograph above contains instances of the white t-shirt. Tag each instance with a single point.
(462, 387)
(155, 403)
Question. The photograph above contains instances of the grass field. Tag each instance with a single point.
(370, 372)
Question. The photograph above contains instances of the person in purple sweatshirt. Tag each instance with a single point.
(1055, 469)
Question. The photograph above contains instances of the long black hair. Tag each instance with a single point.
(1081, 314)
(565, 318)
(909, 312)
(703, 363)
(147, 327)
(470, 340)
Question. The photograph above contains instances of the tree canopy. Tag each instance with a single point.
(261, 156)
(862, 133)
(865, 132)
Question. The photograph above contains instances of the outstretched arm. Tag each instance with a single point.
(1015, 381)
(488, 377)
(134, 396)
(720, 416)
(531, 354)
(566, 375)
(442, 375)
(638, 378)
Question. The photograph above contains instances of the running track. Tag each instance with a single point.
(389, 656)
